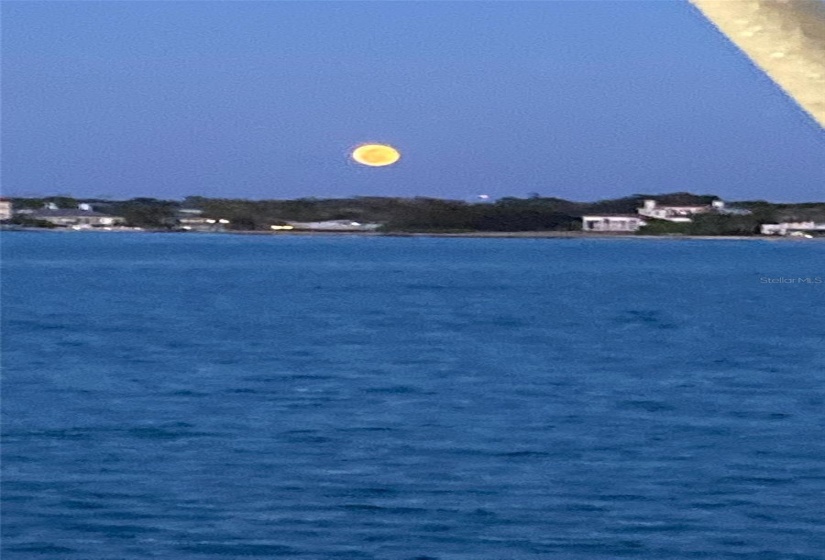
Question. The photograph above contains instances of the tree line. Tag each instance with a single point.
(420, 214)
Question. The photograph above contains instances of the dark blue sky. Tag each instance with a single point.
(580, 100)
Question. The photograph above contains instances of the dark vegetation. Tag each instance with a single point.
(147, 213)
(25, 221)
(534, 213)
(706, 224)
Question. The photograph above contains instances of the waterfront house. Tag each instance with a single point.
(651, 209)
(612, 223)
(191, 219)
(333, 225)
(75, 218)
(792, 228)
(5, 209)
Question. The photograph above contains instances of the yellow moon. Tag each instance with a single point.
(376, 155)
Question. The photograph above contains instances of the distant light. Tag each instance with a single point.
(376, 155)
(222, 221)
(484, 196)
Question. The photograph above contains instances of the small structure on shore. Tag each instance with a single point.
(612, 223)
(792, 228)
(651, 209)
(81, 218)
(331, 225)
(191, 219)
(6, 211)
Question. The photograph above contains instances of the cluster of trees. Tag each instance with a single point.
(150, 213)
(705, 224)
(534, 213)
(61, 201)
(769, 212)
(260, 214)
(506, 215)
(396, 214)
(25, 221)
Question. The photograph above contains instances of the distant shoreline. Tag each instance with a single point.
(524, 235)
(570, 235)
(474, 234)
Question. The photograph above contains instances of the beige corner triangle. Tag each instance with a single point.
(785, 38)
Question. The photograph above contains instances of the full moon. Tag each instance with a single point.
(376, 155)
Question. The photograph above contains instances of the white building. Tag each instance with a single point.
(192, 219)
(333, 225)
(75, 218)
(5, 209)
(616, 223)
(683, 214)
(791, 228)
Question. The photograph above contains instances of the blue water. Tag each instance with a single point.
(205, 396)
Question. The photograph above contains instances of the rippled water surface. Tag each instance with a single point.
(199, 396)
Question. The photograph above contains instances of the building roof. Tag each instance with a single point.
(594, 216)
